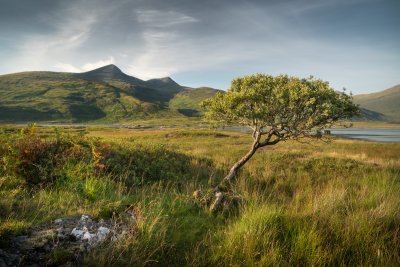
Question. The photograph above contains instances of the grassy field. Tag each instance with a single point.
(320, 203)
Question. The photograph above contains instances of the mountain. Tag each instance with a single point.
(383, 105)
(165, 83)
(105, 94)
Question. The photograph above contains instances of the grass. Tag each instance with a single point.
(315, 204)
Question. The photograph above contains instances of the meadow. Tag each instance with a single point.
(311, 203)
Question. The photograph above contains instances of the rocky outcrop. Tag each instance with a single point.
(64, 240)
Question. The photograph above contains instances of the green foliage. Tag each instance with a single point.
(41, 161)
(45, 161)
(288, 106)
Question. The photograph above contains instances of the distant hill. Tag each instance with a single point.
(105, 94)
(384, 105)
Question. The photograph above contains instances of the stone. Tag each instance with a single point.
(85, 219)
(102, 233)
(20, 239)
(90, 238)
(77, 233)
(58, 221)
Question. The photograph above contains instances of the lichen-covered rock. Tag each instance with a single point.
(64, 241)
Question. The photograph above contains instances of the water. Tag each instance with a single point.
(370, 134)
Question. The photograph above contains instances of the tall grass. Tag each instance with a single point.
(304, 204)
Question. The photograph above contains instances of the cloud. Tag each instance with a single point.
(162, 43)
(85, 67)
(70, 32)
(67, 67)
(98, 64)
(207, 40)
(162, 19)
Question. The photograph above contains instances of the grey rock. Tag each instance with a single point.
(85, 219)
(20, 239)
(77, 233)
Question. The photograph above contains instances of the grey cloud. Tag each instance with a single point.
(209, 38)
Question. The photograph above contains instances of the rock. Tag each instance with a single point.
(102, 233)
(2, 263)
(2, 253)
(38, 239)
(18, 240)
(77, 233)
(85, 219)
(9, 259)
(44, 244)
(90, 238)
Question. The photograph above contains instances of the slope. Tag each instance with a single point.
(102, 95)
(187, 102)
(386, 103)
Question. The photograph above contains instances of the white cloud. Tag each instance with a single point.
(85, 67)
(98, 64)
(71, 30)
(67, 67)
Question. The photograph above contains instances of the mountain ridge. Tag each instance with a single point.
(107, 94)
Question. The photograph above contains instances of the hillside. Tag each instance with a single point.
(384, 105)
(105, 94)
(187, 101)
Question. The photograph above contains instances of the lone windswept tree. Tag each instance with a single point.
(277, 109)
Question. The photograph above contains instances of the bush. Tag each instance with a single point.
(41, 161)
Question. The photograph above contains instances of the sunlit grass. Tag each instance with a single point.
(318, 204)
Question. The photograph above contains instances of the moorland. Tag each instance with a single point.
(310, 203)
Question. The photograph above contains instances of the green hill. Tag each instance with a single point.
(187, 101)
(384, 105)
(107, 94)
(102, 95)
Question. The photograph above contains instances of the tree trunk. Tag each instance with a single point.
(234, 170)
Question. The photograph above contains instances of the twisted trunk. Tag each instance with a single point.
(236, 167)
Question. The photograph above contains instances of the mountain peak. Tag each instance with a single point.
(166, 79)
(107, 72)
(165, 83)
(111, 68)
(163, 80)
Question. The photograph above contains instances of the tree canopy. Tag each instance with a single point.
(279, 108)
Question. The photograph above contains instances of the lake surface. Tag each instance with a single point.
(371, 134)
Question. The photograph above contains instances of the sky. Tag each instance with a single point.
(353, 44)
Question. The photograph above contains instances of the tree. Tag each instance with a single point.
(277, 109)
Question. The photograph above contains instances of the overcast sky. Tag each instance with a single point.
(350, 43)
